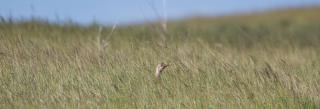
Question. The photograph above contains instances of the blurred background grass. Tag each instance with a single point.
(262, 60)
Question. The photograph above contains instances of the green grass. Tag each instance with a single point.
(268, 60)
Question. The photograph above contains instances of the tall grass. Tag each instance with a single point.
(238, 63)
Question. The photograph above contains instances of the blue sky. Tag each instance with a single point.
(130, 11)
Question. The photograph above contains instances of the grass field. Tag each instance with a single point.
(267, 60)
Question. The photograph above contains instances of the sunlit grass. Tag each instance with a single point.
(271, 63)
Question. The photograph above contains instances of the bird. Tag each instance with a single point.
(159, 69)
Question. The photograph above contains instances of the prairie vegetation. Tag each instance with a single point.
(267, 60)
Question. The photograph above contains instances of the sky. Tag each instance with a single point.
(134, 11)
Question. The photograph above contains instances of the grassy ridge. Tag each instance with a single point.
(252, 61)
